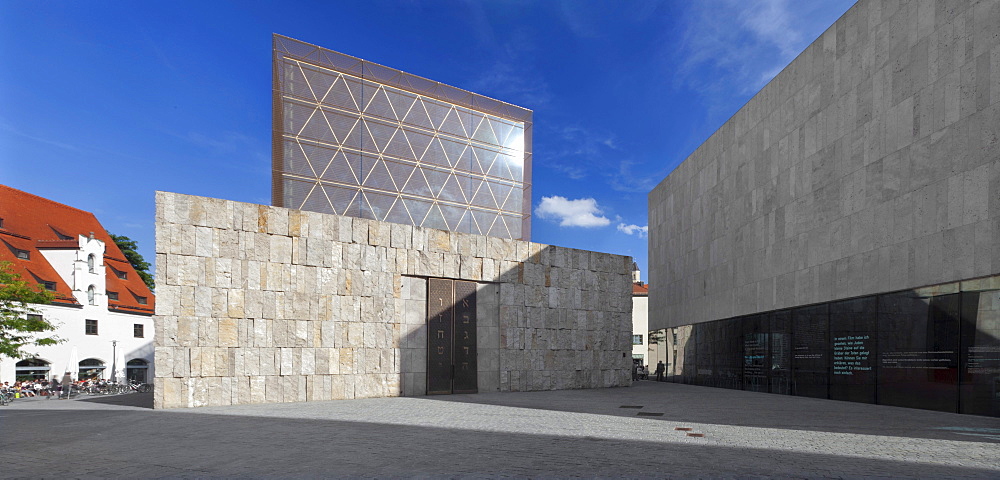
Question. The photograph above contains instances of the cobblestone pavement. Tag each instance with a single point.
(576, 433)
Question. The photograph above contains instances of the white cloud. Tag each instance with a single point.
(633, 229)
(742, 45)
(771, 22)
(582, 212)
(505, 80)
(578, 151)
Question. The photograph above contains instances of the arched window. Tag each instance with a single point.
(90, 368)
(91, 294)
(31, 369)
(90, 263)
(136, 369)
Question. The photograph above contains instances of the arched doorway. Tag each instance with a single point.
(91, 368)
(32, 369)
(136, 369)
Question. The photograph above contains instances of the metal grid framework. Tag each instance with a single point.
(355, 138)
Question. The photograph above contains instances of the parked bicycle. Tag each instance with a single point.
(6, 396)
(137, 386)
(106, 387)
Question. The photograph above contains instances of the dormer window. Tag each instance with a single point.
(112, 295)
(141, 300)
(122, 275)
(22, 254)
(50, 286)
(90, 263)
(1, 223)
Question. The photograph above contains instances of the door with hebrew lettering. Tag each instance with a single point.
(451, 336)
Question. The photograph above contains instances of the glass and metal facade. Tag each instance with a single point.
(934, 348)
(355, 138)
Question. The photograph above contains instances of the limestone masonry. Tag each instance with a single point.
(261, 304)
(870, 164)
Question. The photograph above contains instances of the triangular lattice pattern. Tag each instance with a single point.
(352, 146)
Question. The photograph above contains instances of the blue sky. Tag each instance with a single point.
(103, 103)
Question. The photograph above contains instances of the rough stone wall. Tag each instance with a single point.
(260, 304)
(870, 164)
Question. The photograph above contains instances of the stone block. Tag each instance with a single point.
(346, 356)
(438, 241)
(273, 389)
(257, 389)
(308, 361)
(280, 249)
(204, 242)
(400, 236)
(344, 229)
(291, 361)
(450, 265)
(349, 386)
(165, 360)
(187, 331)
(174, 393)
(276, 220)
(471, 268)
(228, 332)
(269, 362)
(337, 389)
(379, 234)
(359, 228)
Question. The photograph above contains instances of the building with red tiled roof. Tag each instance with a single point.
(101, 305)
(640, 317)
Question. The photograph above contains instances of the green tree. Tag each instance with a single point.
(130, 249)
(20, 322)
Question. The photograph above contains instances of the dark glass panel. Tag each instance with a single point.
(918, 351)
(704, 335)
(780, 352)
(810, 351)
(729, 360)
(755, 352)
(980, 353)
(691, 355)
(853, 337)
(687, 349)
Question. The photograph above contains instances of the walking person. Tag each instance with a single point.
(55, 389)
(67, 385)
(660, 370)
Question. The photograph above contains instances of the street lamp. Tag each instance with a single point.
(114, 359)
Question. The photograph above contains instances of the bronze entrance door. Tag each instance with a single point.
(451, 336)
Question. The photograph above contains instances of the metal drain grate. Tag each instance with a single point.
(649, 414)
(630, 406)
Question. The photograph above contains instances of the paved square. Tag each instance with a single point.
(573, 433)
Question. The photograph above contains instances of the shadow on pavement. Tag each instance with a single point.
(142, 400)
(185, 444)
(707, 405)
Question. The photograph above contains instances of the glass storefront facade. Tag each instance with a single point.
(936, 348)
(354, 138)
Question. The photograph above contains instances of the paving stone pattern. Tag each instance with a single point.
(545, 434)
(261, 304)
